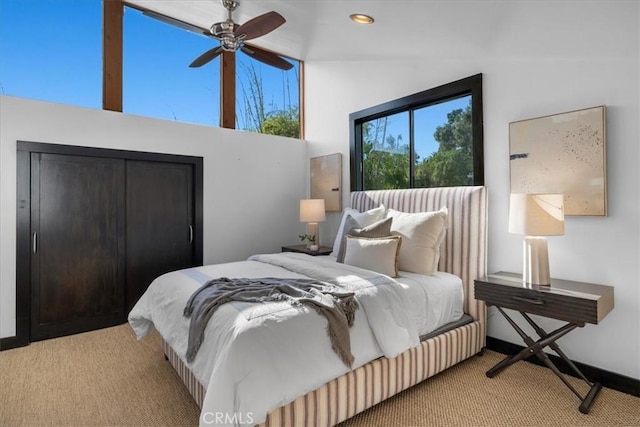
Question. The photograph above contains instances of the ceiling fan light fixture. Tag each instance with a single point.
(230, 44)
(361, 18)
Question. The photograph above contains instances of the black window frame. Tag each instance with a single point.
(468, 86)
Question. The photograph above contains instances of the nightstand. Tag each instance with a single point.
(576, 303)
(323, 250)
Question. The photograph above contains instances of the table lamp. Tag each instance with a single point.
(536, 216)
(312, 212)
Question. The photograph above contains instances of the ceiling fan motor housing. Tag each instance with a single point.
(223, 29)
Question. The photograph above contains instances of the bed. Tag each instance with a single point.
(379, 371)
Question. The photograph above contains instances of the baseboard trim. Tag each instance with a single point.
(11, 342)
(606, 378)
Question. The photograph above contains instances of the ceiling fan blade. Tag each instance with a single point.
(260, 25)
(176, 23)
(208, 56)
(267, 57)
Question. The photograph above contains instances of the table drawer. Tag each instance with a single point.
(548, 303)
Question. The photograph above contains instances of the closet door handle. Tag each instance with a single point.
(35, 242)
(190, 234)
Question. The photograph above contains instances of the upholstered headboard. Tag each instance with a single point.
(464, 249)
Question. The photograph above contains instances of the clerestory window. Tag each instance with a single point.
(67, 67)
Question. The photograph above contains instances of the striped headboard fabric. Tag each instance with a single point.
(464, 249)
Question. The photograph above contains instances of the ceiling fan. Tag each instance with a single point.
(232, 36)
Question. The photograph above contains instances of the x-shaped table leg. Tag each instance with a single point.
(536, 347)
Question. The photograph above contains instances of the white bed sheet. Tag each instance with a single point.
(435, 300)
(309, 365)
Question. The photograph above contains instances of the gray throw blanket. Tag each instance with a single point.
(327, 300)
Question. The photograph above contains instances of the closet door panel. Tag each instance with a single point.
(159, 217)
(77, 244)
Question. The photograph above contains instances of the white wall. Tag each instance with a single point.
(549, 58)
(252, 182)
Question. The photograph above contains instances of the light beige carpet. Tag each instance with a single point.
(107, 378)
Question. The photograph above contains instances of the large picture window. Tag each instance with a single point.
(429, 139)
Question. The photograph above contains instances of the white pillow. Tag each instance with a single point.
(422, 233)
(363, 218)
(376, 254)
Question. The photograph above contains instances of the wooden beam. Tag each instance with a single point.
(301, 99)
(228, 90)
(112, 13)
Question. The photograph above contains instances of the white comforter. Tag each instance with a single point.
(256, 357)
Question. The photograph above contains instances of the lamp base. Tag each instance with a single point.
(535, 267)
(312, 230)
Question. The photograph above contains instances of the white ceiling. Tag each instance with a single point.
(322, 30)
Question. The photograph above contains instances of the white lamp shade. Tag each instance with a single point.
(536, 214)
(312, 210)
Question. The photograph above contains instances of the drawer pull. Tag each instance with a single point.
(528, 300)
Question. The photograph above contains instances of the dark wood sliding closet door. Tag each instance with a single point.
(77, 241)
(160, 223)
(94, 228)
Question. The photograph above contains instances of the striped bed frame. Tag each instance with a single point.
(463, 253)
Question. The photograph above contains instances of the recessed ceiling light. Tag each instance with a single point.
(361, 18)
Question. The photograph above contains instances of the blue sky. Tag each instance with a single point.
(51, 50)
(49, 55)
(427, 119)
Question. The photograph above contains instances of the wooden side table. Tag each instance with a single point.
(322, 250)
(576, 303)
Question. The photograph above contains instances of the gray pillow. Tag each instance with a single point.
(381, 228)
